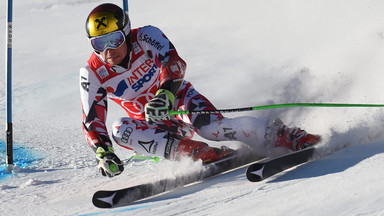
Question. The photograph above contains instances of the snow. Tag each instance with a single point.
(239, 54)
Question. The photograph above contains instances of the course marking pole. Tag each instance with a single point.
(8, 89)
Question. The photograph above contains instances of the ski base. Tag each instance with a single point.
(261, 170)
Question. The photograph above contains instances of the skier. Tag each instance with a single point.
(141, 70)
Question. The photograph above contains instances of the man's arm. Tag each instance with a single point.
(94, 104)
(94, 107)
(157, 45)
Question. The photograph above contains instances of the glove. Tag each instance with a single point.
(109, 164)
(158, 108)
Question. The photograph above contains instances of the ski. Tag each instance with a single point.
(261, 170)
(126, 196)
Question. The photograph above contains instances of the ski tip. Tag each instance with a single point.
(254, 172)
(102, 200)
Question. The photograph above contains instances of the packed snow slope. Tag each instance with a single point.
(239, 54)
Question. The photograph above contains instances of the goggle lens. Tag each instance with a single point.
(112, 40)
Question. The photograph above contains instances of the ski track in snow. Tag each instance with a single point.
(264, 52)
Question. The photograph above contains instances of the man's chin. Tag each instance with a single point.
(112, 61)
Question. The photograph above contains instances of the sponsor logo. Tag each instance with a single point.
(144, 78)
(101, 23)
(150, 147)
(140, 71)
(149, 40)
(102, 71)
(170, 152)
(137, 79)
(127, 133)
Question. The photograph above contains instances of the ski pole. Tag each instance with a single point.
(125, 6)
(273, 106)
(8, 89)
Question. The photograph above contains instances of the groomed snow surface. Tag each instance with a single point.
(239, 54)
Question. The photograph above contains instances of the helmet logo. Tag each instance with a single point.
(100, 23)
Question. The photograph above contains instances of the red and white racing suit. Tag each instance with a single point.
(153, 60)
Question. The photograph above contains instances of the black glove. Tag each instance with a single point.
(109, 164)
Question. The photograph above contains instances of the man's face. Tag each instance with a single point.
(115, 56)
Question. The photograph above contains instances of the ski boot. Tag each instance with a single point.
(292, 138)
(199, 150)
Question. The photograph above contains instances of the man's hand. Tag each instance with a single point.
(109, 164)
(158, 108)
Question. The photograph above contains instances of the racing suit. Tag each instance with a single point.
(153, 64)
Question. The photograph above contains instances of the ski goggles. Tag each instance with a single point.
(109, 41)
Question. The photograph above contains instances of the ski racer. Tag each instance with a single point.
(140, 70)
